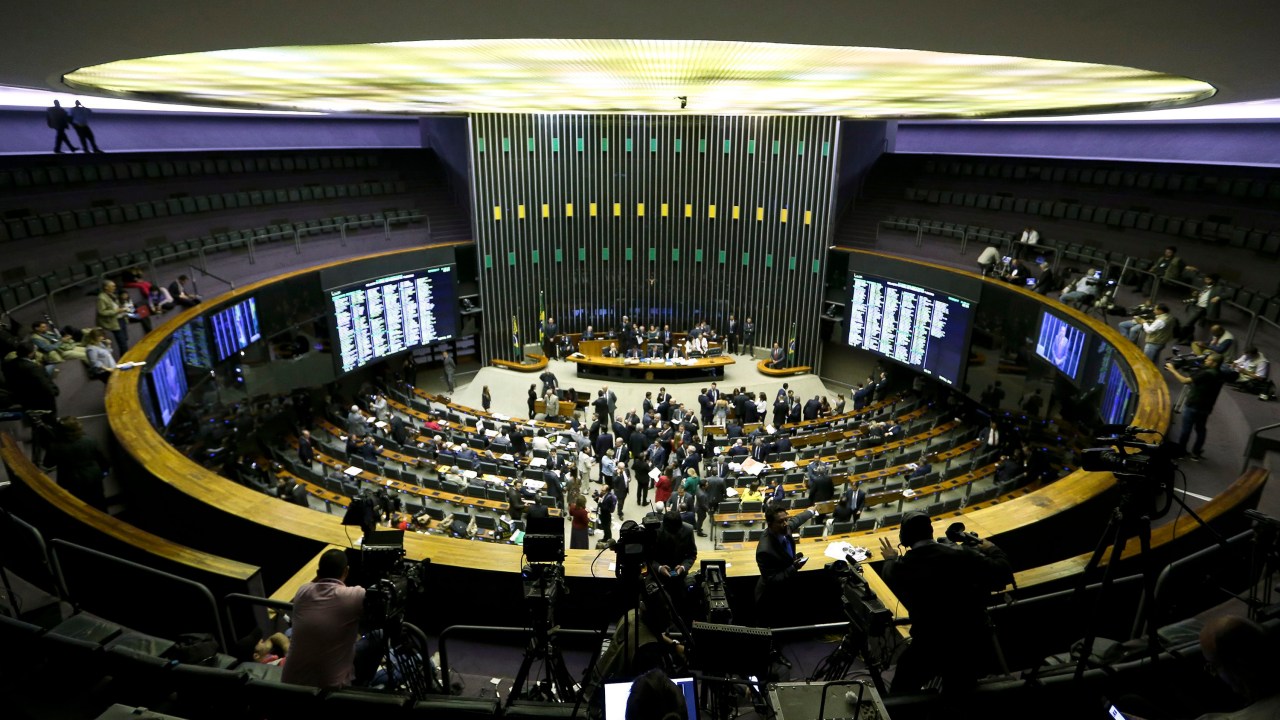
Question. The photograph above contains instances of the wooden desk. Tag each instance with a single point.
(616, 369)
(765, 368)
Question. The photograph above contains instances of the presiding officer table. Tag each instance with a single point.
(621, 370)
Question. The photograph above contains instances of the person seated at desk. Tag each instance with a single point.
(633, 353)
(695, 346)
(674, 353)
(588, 334)
(611, 351)
(656, 351)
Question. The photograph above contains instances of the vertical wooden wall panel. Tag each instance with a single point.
(690, 163)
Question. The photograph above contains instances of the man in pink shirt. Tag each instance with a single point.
(326, 625)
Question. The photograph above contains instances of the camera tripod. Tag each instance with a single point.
(855, 645)
(402, 650)
(552, 682)
(1131, 518)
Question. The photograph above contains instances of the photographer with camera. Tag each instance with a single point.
(1203, 386)
(1159, 326)
(944, 586)
(326, 627)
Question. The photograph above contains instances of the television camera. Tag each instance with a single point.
(868, 636)
(1144, 470)
(392, 584)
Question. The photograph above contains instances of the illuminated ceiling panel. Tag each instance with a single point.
(635, 76)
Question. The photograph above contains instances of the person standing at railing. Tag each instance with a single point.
(58, 120)
(111, 316)
(79, 117)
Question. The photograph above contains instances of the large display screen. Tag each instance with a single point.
(922, 328)
(234, 328)
(193, 338)
(168, 382)
(378, 318)
(1060, 343)
(1115, 403)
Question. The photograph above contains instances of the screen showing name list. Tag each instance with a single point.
(382, 317)
(919, 327)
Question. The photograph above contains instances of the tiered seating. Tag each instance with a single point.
(90, 216)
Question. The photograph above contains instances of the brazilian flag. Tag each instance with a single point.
(542, 317)
(791, 347)
(515, 339)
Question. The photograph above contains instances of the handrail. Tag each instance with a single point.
(919, 231)
(1248, 445)
(152, 262)
(442, 643)
(220, 279)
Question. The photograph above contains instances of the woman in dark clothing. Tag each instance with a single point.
(580, 534)
(533, 399)
(81, 463)
(485, 398)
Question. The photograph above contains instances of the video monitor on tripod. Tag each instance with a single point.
(616, 696)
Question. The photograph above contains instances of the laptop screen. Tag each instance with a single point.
(616, 695)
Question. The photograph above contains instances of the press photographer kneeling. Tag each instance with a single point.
(944, 586)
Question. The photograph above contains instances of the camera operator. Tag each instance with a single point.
(1084, 291)
(1159, 327)
(326, 627)
(778, 562)
(944, 587)
(1204, 385)
(1204, 304)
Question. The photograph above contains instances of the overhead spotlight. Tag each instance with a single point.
(684, 101)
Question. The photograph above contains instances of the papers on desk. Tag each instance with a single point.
(538, 462)
(789, 464)
(490, 433)
(731, 492)
(352, 471)
(838, 551)
(507, 457)
(751, 466)
(534, 485)
(470, 474)
(497, 416)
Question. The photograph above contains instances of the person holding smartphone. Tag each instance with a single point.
(778, 561)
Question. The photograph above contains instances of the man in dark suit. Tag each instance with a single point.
(862, 396)
(674, 553)
(306, 450)
(778, 562)
(734, 335)
(812, 408)
(851, 503)
(777, 356)
(748, 337)
(780, 411)
(783, 443)
(549, 382)
(738, 450)
(924, 468)
(795, 412)
(549, 332)
(600, 405)
(818, 478)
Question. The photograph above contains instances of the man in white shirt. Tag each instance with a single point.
(988, 259)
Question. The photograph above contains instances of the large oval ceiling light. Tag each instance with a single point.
(636, 76)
